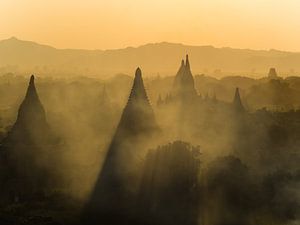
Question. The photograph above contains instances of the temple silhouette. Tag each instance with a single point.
(27, 148)
(184, 85)
(117, 184)
(237, 102)
(31, 126)
(272, 74)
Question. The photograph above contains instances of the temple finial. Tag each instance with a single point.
(31, 80)
(138, 72)
(187, 63)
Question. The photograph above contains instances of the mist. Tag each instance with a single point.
(129, 149)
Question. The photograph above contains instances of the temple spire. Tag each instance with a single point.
(187, 62)
(30, 141)
(134, 134)
(181, 70)
(237, 102)
(31, 90)
(137, 117)
(183, 85)
(138, 73)
(31, 109)
(31, 80)
(138, 89)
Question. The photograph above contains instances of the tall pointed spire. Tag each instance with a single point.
(138, 113)
(119, 172)
(237, 102)
(29, 142)
(138, 88)
(187, 62)
(31, 121)
(31, 110)
(31, 81)
(31, 93)
(188, 76)
(180, 72)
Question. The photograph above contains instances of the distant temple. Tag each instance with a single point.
(237, 102)
(183, 89)
(272, 73)
(184, 85)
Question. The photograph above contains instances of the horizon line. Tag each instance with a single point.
(145, 44)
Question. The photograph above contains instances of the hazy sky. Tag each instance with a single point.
(104, 24)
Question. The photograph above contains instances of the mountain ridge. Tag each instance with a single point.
(13, 38)
(24, 57)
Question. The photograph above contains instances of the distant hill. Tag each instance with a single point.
(159, 58)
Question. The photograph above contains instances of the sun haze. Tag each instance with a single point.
(99, 24)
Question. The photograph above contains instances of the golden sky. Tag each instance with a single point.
(105, 24)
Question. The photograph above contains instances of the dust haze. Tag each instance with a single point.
(176, 147)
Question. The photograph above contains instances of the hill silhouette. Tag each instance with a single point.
(25, 56)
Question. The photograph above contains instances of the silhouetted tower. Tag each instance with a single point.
(138, 116)
(184, 85)
(184, 93)
(31, 126)
(28, 144)
(272, 73)
(237, 102)
(119, 176)
(179, 77)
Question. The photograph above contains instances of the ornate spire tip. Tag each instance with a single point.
(138, 72)
(31, 79)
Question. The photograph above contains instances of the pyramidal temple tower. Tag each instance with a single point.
(31, 127)
(237, 102)
(138, 117)
(28, 146)
(119, 177)
(184, 85)
(137, 123)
